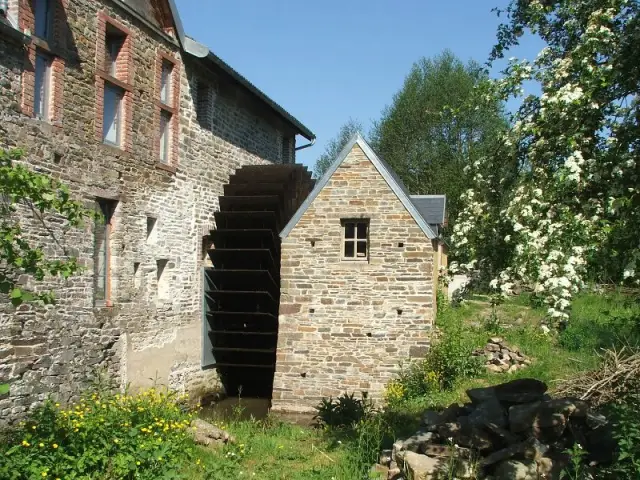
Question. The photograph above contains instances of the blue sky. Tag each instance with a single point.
(326, 61)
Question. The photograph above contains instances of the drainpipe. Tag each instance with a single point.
(313, 140)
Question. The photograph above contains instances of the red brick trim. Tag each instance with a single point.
(172, 108)
(123, 78)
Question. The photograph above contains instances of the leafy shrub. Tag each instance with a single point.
(447, 361)
(602, 321)
(344, 411)
(626, 431)
(103, 436)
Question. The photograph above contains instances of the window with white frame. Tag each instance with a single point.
(355, 241)
(42, 86)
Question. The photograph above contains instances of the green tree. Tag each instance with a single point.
(335, 146)
(23, 191)
(431, 130)
(574, 212)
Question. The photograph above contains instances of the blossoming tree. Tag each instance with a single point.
(573, 212)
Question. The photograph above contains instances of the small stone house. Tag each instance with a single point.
(358, 279)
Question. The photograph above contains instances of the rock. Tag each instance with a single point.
(494, 368)
(601, 445)
(497, 340)
(209, 435)
(551, 467)
(489, 411)
(530, 449)
(512, 369)
(385, 457)
(549, 425)
(482, 394)
(596, 420)
(446, 451)
(522, 390)
(394, 474)
(421, 467)
(379, 471)
(515, 470)
(452, 412)
(505, 437)
(415, 442)
(492, 347)
(430, 420)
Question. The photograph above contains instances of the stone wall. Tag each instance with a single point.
(345, 325)
(150, 331)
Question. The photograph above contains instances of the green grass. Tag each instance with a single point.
(4, 388)
(273, 450)
(597, 321)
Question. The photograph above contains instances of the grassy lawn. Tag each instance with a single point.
(275, 450)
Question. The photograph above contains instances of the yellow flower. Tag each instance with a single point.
(44, 474)
(57, 404)
(115, 440)
(33, 428)
(25, 443)
(137, 463)
(55, 445)
(41, 444)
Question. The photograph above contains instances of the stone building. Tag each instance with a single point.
(147, 125)
(358, 273)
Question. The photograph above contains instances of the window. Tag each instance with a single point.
(165, 135)
(356, 239)
(162, 277)
(165, 82)
(42, 86)
(102, 252)
(114, 40)
(114, 83)
(43, 14)
(166, 99)
(112, 112)
(151, 230)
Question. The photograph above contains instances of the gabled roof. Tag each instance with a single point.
(385, 170)
(432, 208)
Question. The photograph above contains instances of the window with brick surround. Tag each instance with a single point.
(114, 83)
(42, 86)
(102, 252)
(355, 239)
(167, 92)
(42, 80)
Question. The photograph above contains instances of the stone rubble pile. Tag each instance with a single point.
(500, 357)
(511, 431)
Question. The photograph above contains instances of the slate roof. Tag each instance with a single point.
(432, 208)
(383, 168)
(198, 50)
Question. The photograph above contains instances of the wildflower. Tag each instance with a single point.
(25, 443)
(55, 445)
(41, 444)
(44, 474)
(137, 463)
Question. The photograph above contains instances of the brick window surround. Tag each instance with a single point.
(167, 110)
(120, 78)
(48, 47)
